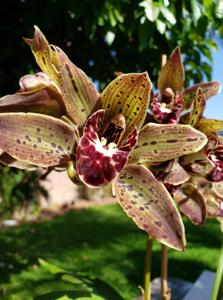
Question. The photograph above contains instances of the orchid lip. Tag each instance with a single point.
(98, 160)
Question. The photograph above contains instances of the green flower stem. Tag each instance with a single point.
(217, 293)
(147, 274)
(165, 291)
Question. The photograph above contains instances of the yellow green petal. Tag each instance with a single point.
(197, 108)
(209, 89)
(160, 142)
(129, 95)
(79, 93)
(210, 125)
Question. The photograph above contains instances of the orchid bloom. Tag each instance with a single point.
(201, 196)
(58, 119)
(174, 104)
(172, 100)
(167, 103)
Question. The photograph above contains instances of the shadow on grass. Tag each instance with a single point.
(75, 230)
(102, 241)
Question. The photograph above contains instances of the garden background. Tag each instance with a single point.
(102, 37)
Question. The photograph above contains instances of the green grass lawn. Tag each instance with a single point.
(102, 241)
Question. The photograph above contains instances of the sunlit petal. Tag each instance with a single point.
(129, 95)
(158, 142)
(197, 108)
(209, 89)
(36, 139)
(78, 91)
(149, 204)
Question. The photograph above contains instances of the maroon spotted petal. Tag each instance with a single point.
(216, 157)
(98, 163)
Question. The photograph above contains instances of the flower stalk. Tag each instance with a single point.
(165, 291)
(147, 275)
(217, 293)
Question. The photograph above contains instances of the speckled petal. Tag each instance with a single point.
(197, 107)
(172, 73)
(158, 142)
(129, 95)
(77, 89)
(98, 164)
(177, 175)
(209, 89)
(79, 93)
(8, 160)
(214, 206)
(218, 188)
(45, 56)
(192, 203)
(36, 139)
(149, 204)
(210, 125)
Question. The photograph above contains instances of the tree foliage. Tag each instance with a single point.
(102, 37)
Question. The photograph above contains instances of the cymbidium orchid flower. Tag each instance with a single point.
(58, 119)
(172, 101)
(174, 104)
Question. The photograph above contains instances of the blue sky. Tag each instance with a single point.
(214, 108)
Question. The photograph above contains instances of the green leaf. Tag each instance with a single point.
(77, 280)
(217, 292)
(192, 204)
(161, 26)
(129, 95)
(65, 298)
(50, 267)
(202, 25)
(95, 287)
(78, 91)
(209, 89)
(104, 289)
(151, 10)
(69, 294)
(149, 204)
(160, 142)
(209, 125)
(167, 14)
(198, 106)
(172, 73)
(37, 139)
(92, 297)
(145, 33)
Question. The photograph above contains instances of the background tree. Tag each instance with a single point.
(102, 37)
